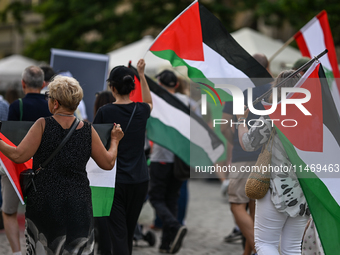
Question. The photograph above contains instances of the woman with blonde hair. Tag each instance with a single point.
(283, 212)
(59, 209)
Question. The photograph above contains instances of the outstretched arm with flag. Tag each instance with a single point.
(282, 213)
(313, 148)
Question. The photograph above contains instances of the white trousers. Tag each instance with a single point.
(270, 225)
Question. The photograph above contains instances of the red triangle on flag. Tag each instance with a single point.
(136, 94)
(183, 35)
(307, 135)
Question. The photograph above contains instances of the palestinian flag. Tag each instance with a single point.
(13, 170)
(172, 126)
(313, 147)
(198, 40)
(315, 37)
(102, 182)
(102, 185)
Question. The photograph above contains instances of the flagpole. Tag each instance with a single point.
(281, 49)
(257, 100)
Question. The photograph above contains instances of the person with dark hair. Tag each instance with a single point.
(103, 98)
(30, 108)
(132, 178)
(164, 186)
(48, 73)
(281, 215)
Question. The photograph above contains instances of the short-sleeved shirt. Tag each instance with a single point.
(239, 154)
(34, 107)
(131, 161)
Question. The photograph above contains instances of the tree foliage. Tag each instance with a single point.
(102, 25)
(296, 12)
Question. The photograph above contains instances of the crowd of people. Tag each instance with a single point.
(59, 217)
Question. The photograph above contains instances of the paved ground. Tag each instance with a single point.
(208, 220)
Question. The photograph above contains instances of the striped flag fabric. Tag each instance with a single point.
(13, 170)
(198, 40)
(313, 147)
(102, 185)
(315, 37)
(173, 126)
(102, 182)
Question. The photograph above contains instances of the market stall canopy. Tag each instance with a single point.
(255, 42)
(136, 51)
(11, 69)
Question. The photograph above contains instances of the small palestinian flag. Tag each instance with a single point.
(312, 143)
(172, 126)
(198, 40)
(315, 37)
(102, 184)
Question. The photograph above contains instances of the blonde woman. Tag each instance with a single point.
(59, 213)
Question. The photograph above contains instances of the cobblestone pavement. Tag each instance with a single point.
(208, 220)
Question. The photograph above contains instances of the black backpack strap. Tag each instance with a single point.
(66, 138)
(133, 113)
(21, 108)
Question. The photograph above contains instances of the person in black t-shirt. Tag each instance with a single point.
(132, 177)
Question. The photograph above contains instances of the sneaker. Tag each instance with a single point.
(177, 241)
(164, 248)
(236, 235)
(224, 187)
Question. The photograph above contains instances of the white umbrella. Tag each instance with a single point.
(12, 67)
(255, 42)
(135, 51)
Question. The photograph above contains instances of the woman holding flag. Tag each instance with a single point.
(283, 212)
(132, 179)
(59, 209)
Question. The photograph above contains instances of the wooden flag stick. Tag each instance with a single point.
(281, 49)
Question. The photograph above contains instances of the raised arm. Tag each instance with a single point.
(105, 159)
(28, 146)
(146, 95)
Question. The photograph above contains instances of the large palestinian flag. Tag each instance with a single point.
(313, 147)
(315, 37)
(198, 40)
(172, 126)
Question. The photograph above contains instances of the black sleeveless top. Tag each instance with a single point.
(61, 207)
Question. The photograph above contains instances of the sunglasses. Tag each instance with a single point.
(47, 96)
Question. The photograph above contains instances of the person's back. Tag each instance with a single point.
(132, 177)
(33, 105)
(131, 162)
